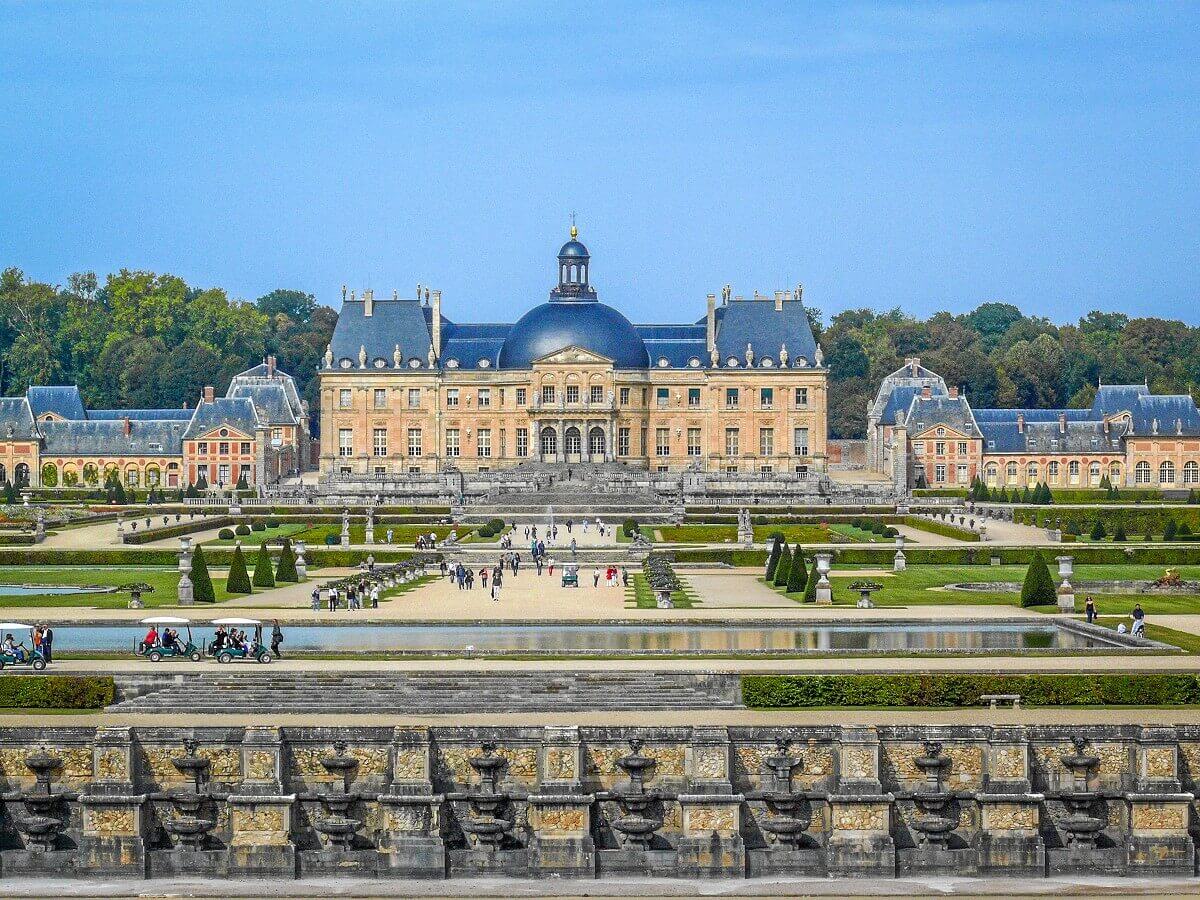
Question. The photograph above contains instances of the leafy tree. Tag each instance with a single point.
(1038, 589)
(285, 570)
(202, 586)
(263, 575)
(238, 581)
(1119, 533)
(1169, 530)
(1184, 531)
(797, 575)
(784, 568)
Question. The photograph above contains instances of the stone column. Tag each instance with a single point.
(260, 814)
(410, 843)
(860, 814)
(1010, 815)
(112, 843)
(186, 588)
(711, 844)
(301, 562)
(1159, 841)
(560, 812)
(345, 542)
(824, 588)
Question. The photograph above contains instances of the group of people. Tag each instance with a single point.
(168, 638)
(234, 638)
(354, 595)
(610, 576)
(43, 645)
(466, 577)
(1138, 617)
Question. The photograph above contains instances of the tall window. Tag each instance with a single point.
(414, 442)
(414, 398)
(731, 398)
(597, 393)
(452, 445)
(452, 396)
(962, 448)
(662, 441)
(485, 397)
(245, 448)
(522, 442)
(345, 442)
(1141, 473)
(380, 398)
(1052, 471)
(224, 448)
(521, 395)
(801, 398)
(379, 442)
(766, 442)
(1166, 472)
(344, 396)
(624, 396)
(222, 474)
(547, 393)
(483, 442)
(693, 396)
(1011, 472)
(1094, 474)
(623, 440)
(766, 397)
(572, 393)
(939, 472)
(693, 442)
(732, 443)
(1073, 471)
(662, 396)
(800, 441)
(1031, 473)
(1191, 472)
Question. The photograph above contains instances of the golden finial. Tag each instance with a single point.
(574, 230)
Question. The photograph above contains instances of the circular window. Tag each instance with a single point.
(224, 432)
(380, 362)
(452, 364)
(663, 362)
(414, 363)
(732, 362)
(768, 363)
(694, 362)
(345, 362)
(484, 363)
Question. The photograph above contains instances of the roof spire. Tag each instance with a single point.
(574, 230)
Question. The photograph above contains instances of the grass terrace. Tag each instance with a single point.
(639, 594)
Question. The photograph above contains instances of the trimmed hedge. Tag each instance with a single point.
(945, 529)
(1133, 519)
(142, 536)
(56, 691)
(940, 691)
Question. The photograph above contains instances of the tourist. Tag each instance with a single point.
(483, 576)
(148, 641)
(573, 546)
(218, 640)
(624, 576)
(276, 638)
(1139, 621)
(316, 599)
(537, 560)
(495, 591)
(1089, 607)
(516, 564)
(374, 596)
(37, 638)
(595, 578)
(333, 598)
(470, 579)
(48, 643)
(568, 526)
(390, 532)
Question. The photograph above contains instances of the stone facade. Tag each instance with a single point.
(414, 802)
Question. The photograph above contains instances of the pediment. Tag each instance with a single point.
(572, 355)
(930, 433)
(214, 434)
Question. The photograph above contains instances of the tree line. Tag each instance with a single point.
(146, 340)
(1003, 358)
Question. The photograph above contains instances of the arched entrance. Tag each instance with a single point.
(549, 441)
(21, 475)
(573, 444)
(596, 444)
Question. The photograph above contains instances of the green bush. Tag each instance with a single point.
(273, 523)
(629, 527)
(264, 577)
(496, 526)
(225, 534)
(56, 691)
(784, 569)
(945, 529)
(1169, 530)
(1184, 531)
(773, 558)
(285, 571)
(258, 526)
(1119, 534)
(238, 581)
(242, 530)
(1098, 531)
(798, 574)
(941, 691)
(202, 586)
(1038, 589)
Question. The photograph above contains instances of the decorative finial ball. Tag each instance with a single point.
(574, 232)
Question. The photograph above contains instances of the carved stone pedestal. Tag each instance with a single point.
(860, 842)
(562, 842)
(112, 841)
(261, 842)
(1159, 843)
(412, 845)
(711, 845)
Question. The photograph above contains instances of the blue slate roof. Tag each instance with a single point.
(563, 322)
(758, 323)
(898, 403)
(1171, 413)
(234, 412)
(468, 343)
(173, 413)
(16, 418)
(107, 437)
(677, 344)
(953, 412)
(63, 401)
(403, 322)
(1115, 398)
(1080, 436)
(270, 399)
(1033, 415)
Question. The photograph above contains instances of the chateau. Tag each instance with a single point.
(406, 390)
(922, 434)
(257, 433)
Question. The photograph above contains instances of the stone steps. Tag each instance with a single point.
(426, 693)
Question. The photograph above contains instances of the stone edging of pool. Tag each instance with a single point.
(1096, 587)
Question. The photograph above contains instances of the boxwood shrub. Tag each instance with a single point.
(242, 530)
(927, 690)
(56, 691)
(225, 534)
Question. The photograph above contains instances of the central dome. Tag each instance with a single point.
(561, 323)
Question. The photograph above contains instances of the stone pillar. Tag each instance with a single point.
(1159, 841)
(1010, 840)
(39, 530)
(860, 814)
(301, 562)
(370, 530)
(824, 588)
(186, 588)
(410, 844)
(560, 812)
(899, 562)
(260, 814)
(112, 842)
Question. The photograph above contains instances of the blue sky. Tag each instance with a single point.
(915, 155)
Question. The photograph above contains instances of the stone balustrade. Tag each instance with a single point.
(596, 801)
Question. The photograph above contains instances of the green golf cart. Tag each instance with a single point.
(19, 655)
(254, 649)
(159, 651)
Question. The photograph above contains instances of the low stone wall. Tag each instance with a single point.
(594, 802)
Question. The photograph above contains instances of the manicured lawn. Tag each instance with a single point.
(813, 534)
(916, 587)
(639, 594)
(693, 534)
(165, 582)
(402, 535)
(254, 538)
(1184, 640)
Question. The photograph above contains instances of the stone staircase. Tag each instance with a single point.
(425, 693)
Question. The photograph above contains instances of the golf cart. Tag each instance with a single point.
(29, 657)
(160, 651)
(255, 650)
(570, 575)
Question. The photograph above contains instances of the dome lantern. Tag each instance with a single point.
(573, 263)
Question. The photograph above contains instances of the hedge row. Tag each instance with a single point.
(945, 529)
(796, 691)
(143, 536)
(56, 691)
(860, 555)
(14, 540)
(217, 556)
(1134, 521)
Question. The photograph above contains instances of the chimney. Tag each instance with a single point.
(437, 324)
(926, 392)
(779, 301)
(711, 322)
(270, 366)
(915, 365)
(1062, 423)
(954, 392)
(128, 426)
(1020, 423)
(208, 393)
(369, 302)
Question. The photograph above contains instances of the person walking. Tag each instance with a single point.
(1139, 621)
(483, 576)
(316, 599)
(1089, 607)
(537, 561)
(374, 596)
(48, 643)
(390, 532)
(276, 637)
(333, 598)
(595, 578)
